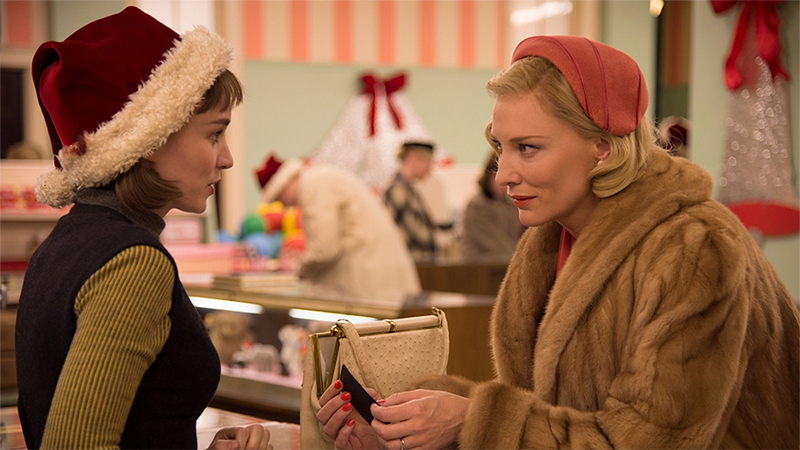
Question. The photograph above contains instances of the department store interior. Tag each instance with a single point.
(303, 64)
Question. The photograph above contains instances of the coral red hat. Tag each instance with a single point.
(275, 175)
(114, 91)
(607, 82)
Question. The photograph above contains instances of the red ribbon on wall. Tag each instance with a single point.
(767, 38)
(370, 84)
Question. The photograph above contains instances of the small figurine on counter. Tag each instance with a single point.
(266, 358)
(293, 348)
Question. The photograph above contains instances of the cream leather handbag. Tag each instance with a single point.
(383, 355)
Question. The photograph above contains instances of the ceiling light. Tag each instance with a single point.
(655, 7)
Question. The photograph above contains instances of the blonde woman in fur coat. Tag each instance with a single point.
(637, 312)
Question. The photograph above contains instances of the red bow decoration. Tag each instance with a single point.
(767, 38)
(390, 86)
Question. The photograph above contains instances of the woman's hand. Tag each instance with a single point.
(422, 418)
(342, 423)
(241, 438)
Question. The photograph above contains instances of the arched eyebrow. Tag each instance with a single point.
(524, 138)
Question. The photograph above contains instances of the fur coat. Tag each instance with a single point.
(666, 328)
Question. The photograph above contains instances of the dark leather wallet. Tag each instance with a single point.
(359, 397)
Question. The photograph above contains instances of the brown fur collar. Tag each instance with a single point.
(619, 224)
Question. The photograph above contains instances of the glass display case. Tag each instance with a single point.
(260, 334)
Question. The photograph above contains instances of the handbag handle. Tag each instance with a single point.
(392, 325)
(353, 334)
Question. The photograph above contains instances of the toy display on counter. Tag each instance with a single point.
(294, 240)
(272, 236)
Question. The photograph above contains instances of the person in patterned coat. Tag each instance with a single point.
(406, 205)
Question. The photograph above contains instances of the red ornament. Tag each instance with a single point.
(767, 36)
(371, 86)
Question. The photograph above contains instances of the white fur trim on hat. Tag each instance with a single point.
(283, 176)
(159, 108)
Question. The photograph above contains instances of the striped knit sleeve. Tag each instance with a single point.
(122, 325)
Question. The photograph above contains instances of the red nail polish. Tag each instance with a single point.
(351, 422)
(346, 407)
(345, 396)
(337, 384)
(381, 402)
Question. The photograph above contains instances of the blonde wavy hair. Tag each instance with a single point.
(629, 154)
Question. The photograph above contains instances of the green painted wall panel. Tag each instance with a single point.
(290, 108)
(629, 27)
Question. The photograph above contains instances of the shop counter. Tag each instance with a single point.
(282, 435)
(474, 276)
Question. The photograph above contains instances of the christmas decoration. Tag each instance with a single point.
(365, 139)
(757, 180)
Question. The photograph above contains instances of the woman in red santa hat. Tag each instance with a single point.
(111, 353)
(636, 312)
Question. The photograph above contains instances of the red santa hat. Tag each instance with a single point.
(607, 82)
(275, 175)
(114, 91)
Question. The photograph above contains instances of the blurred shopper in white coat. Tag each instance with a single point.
(353, 247)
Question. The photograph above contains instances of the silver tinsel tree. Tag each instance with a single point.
(757, 179)
(358, 145)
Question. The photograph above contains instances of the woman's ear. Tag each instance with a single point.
(601, 150)
(152, 158)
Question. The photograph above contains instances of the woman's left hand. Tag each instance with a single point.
(422, 418)
(253, 437)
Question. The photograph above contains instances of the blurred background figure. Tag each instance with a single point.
(491, 226)
(406, 205)
(351, 248)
